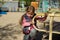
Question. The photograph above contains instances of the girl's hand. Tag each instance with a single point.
(31, 22)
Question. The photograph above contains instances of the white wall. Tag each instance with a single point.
(12, 6)
(8, 0)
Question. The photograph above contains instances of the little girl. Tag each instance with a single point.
(26, 22)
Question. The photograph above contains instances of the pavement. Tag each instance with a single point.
(11, 19)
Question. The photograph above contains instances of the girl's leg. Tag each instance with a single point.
(26, 37)
(32, 33)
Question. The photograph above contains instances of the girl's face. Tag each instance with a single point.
(30, 12)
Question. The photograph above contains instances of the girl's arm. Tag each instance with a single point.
(20, 21)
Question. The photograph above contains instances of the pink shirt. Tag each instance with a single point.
(24, 22)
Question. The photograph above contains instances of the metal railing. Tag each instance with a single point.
(50, 25)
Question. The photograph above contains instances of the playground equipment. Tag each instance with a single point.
(51, 15)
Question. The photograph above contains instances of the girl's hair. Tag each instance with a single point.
(31, 8)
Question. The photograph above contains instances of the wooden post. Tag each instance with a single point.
(50, 27)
